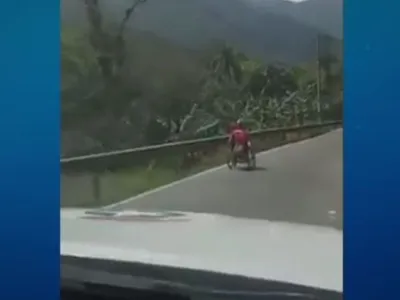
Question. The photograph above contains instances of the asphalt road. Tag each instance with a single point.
(300, 183)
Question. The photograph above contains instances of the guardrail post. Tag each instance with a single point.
(96, 188)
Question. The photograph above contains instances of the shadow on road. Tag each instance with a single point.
(247, 169)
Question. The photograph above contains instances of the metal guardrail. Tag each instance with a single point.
(181, 144)
(102, 178)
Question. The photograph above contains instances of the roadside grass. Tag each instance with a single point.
(78, 191)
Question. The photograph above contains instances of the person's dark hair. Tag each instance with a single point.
(239, 124)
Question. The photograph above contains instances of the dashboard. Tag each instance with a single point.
(95, 279)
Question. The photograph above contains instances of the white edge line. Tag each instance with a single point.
(194, 176)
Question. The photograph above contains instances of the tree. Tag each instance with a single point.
(80, 74)
(110, 46)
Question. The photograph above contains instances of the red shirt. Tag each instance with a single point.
(241, 136)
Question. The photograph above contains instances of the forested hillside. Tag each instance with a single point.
(126, 83)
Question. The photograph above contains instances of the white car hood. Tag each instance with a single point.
(293, 253)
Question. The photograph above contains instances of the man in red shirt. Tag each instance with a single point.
(239, 136)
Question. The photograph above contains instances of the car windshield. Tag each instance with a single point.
(205, 135)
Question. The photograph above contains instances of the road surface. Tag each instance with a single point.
(301, 183)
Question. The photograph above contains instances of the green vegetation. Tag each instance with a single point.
(125, 88)
(121, 184)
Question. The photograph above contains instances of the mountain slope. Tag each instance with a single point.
(326, 15)
(263, 34)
